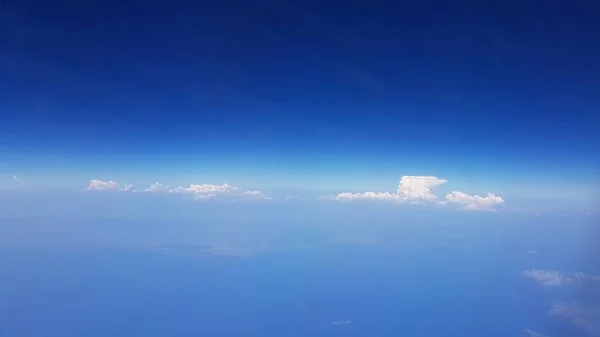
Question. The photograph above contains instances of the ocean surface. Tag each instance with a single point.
(448, 285)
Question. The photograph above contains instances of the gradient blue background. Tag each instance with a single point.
(296, 98)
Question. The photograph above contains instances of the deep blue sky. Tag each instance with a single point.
(347, 94)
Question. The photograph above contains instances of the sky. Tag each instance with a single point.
(299, 168)
(302, 95)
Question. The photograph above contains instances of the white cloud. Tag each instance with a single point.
(410, 188)
(369, 195)
(256, 194)
(532, 252)
(474, 201)
(157, 187)
(552, 278)
(416, 189)
(96, 184)
(127, 188)
(17, 179)
(532, 333)
(200, 189)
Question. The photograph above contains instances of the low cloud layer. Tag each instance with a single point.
(197, 191)
(411, 189)
(420, 189)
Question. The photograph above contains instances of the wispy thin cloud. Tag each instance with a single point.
(127, 188)
(340, 322)
(552, 278)
(256, 194)
(157, 187)
(583, 317)
(532, 333)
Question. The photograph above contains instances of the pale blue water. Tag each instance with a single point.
(382, 291)
(428, 281)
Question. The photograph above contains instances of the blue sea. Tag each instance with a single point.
(430, 280)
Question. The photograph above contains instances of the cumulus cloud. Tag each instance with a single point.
(17, 179)
(96, 184)
(419, 187)
(474, 201)
(369, 195)
(410, 188)
(197, 191)
(552, 278)
(416, 189)
(204, 189)
(157, 187)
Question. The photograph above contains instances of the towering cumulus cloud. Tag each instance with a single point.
(410, 188)
(420, 188)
